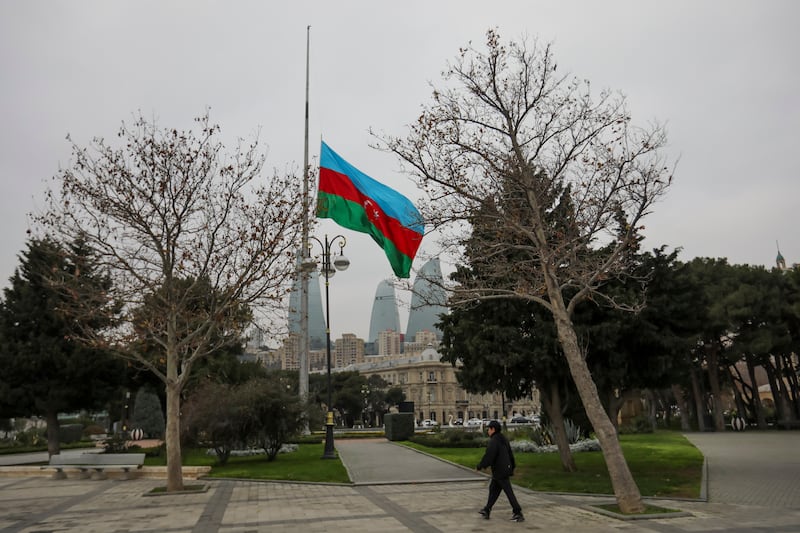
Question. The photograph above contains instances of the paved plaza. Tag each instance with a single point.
(753, 485)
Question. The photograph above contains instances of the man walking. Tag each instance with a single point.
(500, 457)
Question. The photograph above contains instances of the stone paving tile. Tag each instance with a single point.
(766, 499)
(255, 507)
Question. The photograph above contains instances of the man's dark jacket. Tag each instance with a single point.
(499, 456)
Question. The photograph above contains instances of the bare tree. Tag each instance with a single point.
(562, 180)
(174, 219)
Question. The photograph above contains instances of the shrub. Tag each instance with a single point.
(93, 429)
(115, 444)
(306, 439)
(640, 424)
(70, 433)
(262, 413)
(399, 426)
(540, 435)
(211, 415)
(31, 437)
(451, 439)
(523, 446)
(574, 431)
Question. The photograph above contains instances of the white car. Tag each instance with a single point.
(428, 423)
(473, 423)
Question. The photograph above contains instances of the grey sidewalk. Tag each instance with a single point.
(378, 461)
(752, 467)
(39, 504)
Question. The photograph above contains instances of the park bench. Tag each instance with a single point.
(95, 464)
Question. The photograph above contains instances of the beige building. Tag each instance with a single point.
(432, 386)
(422, 340)
(288, 355)
(349, 350)
(388, 342)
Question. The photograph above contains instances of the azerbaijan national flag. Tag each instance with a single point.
(356, 201)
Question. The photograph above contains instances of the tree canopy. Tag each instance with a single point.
(563, 179)
(167, 211)
(46, 369)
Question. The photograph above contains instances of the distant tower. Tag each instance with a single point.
(780, 262)
(428, 300)
(384, 311)
(316, 320)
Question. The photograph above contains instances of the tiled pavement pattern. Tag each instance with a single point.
(743, 502)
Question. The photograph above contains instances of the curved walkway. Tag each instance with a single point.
(752, 467)
(378, 461)
(739, 464)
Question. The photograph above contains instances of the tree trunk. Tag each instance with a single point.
(758, 407)
(712, 359)
(683, 407)
(551, 401)
(793, 384)
(53, 434)
(173, 438)
(698, 400)
(776, 392)
(744, 401)
(615, 403)
(741, 408)
(787, 406)
(651, 408)
(626, 491)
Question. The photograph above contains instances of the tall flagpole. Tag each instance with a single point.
(304, 337)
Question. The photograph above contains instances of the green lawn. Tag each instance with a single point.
(664, 464)
(303, 465)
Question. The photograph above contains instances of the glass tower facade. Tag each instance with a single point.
(428, 300)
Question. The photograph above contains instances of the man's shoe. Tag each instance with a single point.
(484, 513)
(517, 517)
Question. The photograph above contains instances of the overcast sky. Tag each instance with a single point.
(723, 75)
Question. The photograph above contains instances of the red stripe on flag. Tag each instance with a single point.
(405, 239)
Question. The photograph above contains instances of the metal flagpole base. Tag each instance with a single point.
(330, 452)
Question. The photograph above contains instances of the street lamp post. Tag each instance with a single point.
(329, 268)
(124, 422)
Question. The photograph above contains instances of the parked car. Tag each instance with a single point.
(533, 420)
(428, 423)
(473, 422)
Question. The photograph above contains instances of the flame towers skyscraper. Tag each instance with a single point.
(428, 300)
(384, 311)
(316, 318)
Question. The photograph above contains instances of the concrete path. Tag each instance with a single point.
(752, 468)
(379, 461)
(40, 504)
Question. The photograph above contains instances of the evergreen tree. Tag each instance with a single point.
(46, 369)
(147, 413)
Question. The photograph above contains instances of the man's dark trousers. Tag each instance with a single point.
(503, 485)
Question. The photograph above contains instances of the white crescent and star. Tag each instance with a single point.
(373, 213)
